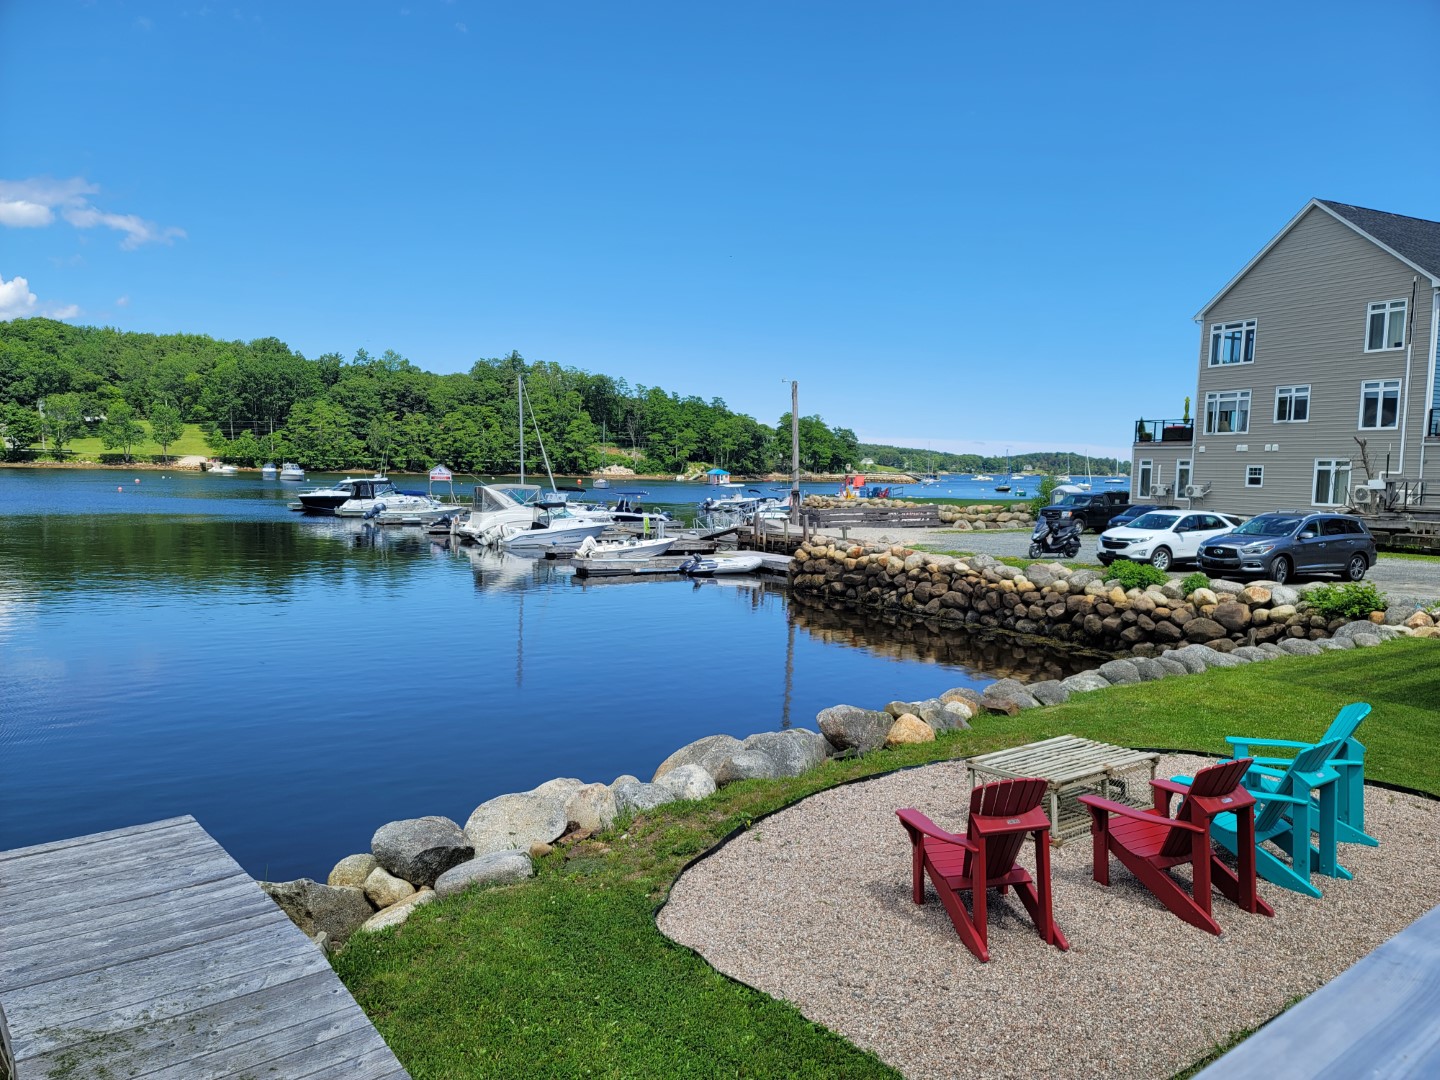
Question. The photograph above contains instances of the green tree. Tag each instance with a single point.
(166, 426)
(19, 428)
(64, 420)
(120, 429)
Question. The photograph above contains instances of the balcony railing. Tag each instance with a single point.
(1179, 431)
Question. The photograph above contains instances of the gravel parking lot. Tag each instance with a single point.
(1392, 574)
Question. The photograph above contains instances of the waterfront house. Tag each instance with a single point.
(717, 476)
(1326, 336)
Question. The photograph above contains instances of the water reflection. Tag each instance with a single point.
(905, 637)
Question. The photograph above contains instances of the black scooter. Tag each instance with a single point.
(1063, 539)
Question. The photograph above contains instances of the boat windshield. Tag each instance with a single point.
(1270, 525)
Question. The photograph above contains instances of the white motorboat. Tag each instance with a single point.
(1117, 480)
(328, 500)
(268, 471)
(695, 566)
(291, 471)
(382, 500)
(220, 468)
(601, 482)
(634, 548)
(982, 476)
(553, 530)
(499, 505)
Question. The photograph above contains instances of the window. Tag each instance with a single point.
(1227, 411)
(1254, 475)
(1232, 343)
(1385, 327)
(1147, 475)
(1182, 476)
(1333, 527)
(1332, 481)
(1292, 404)
(1380, 403)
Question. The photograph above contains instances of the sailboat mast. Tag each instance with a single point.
(520, 415)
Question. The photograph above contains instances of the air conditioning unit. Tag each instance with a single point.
(1196, 491)
(1362, 495)
(1161, 489)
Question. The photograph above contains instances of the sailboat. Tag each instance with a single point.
(1006, 485)
(930, 477)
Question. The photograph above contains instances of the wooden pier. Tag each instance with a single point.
(149, 952)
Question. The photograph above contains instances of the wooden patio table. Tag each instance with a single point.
(1071, 767)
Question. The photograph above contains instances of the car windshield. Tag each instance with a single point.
(1270, 525)
(1154, 521)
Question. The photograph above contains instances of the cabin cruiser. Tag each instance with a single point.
(497, 505)
(328, 500)
(551, 529)
(221, 468)
(381, 500)
(268, 471)
(291, 471)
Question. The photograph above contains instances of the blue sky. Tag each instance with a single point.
(960, 226)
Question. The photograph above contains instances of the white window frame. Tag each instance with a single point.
(1248, 331)
(1385, 308)
(1292, 394)
(1145, 478)
(1218, 397)
(1184, 467)
(1381, 388)
(1334, 467)
(1254, 476)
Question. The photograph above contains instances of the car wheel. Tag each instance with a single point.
(1280, 570)
(1356, 567)
(1161, 558)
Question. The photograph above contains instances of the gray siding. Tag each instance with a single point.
(1309, 295)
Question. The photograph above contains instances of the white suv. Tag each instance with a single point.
(1163, 537)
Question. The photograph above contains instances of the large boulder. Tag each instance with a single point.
(1120, 672)
(688, 782)
(1399, 608)
(1299, 647)
(909, 729)
(337, 911)
(772, 754)
(1008, 696)
(521, 819)
(352, 870)
(396, 914)
(1049, 692)
(496, 868)
(591, 808)
(633, 797)
(1232, 616)
(1149, 669)
(707, 753)
(384, 889)
(1203, 630)
(1208, 657)
(1251, 653)
(1353, 629)
(1172, 666)
(1080, 578)
(848, 726)
(1084, 682)
(420, 849)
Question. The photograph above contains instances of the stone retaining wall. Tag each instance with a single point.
(1077, 606)
(963, 518)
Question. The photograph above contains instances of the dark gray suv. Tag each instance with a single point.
(1286, 544)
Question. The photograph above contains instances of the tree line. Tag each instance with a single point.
(261, 401)
(1049, 462)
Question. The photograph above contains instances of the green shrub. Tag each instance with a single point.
(1353, 600)
(1195, 581)
(1133, 575)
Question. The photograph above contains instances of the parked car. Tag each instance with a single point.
(1164, 537)
(1135, 511)
(1285, 544)
(1093, 510)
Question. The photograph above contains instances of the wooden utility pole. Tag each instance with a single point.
(794, 452)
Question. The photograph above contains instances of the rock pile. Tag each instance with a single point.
(1002, 516)
(1078, 606)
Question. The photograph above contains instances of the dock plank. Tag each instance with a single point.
(148, 952)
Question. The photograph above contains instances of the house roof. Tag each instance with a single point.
(1414, 241)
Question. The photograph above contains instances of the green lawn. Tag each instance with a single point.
(91, 448)
(568, 976)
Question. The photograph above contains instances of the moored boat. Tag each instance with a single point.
(695, 566)
(291, 471)
(268, 471)
(634, 548)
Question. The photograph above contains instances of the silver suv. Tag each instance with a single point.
(1285, 544)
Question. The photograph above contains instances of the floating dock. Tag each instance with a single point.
(666, 566)
(148, 951)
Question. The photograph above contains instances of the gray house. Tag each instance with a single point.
(1327, 336)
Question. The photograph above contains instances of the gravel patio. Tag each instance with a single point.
(813, 906)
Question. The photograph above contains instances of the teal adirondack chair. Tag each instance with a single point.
(1287, 814)
(1348, 762)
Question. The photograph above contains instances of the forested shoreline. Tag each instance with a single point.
(262, 401)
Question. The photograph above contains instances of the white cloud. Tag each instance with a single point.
(16, 299)
(65, 311)
(122, 301)
(34, 202)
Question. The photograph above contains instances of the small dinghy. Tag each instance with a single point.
(695, 566)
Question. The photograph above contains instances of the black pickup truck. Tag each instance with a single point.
(1092, 509)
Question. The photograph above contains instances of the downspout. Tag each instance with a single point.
(1434, 358)
(1409, 352)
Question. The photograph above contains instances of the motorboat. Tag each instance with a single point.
(633, 548)
(1117, 480)
(982, 476)
(695, 566)
(601, 482)
(328, 500)
(551, 530)
(498, 505)
(291, 471)
(268, 471)
(380, 500)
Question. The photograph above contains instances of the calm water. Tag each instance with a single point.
(188, 645)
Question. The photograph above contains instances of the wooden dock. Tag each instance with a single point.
(149, 952)
(1376, 1018)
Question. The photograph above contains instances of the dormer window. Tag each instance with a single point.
(1232, 343)
(1385, 326)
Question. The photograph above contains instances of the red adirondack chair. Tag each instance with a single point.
(1149, 842)
(1000, 815)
